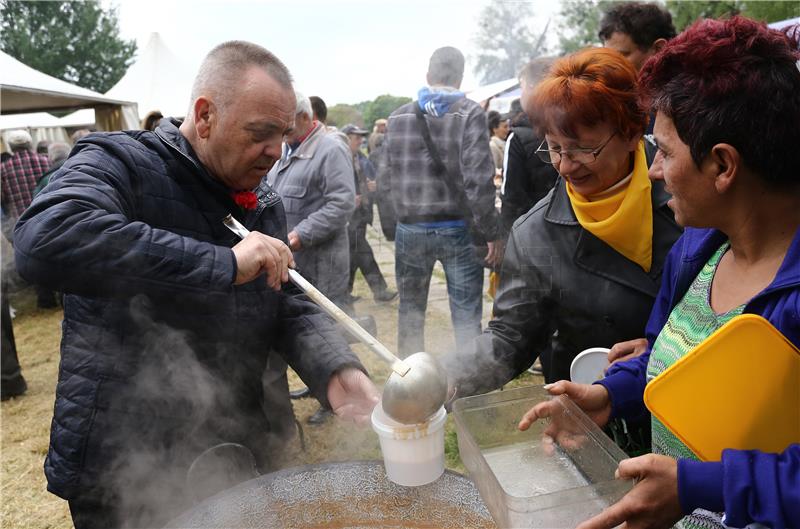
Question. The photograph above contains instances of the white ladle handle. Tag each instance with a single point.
(398, 366)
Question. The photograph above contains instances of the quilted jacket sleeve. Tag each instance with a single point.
(82, 235)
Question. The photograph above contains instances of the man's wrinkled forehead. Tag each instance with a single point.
(275, 112)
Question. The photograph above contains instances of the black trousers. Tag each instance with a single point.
(361, 256)
(11, 381)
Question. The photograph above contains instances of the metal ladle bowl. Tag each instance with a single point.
(415, 397)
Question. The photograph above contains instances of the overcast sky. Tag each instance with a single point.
(343, 51)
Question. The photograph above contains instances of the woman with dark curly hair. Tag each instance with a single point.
(727, 97)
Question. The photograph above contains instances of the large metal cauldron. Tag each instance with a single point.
(341, 495)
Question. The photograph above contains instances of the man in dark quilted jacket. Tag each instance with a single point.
(169, 320)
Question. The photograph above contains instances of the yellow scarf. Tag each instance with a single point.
(623, 220)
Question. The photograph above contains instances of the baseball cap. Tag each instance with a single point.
(352, 129)
(19, 137)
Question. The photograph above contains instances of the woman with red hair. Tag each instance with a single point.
(583, 266)
(727, 97)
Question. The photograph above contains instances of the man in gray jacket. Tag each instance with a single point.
(314, 178)
(443, 193)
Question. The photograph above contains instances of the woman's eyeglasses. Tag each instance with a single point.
(581, 156)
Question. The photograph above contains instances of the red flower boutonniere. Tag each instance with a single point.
(246, 200)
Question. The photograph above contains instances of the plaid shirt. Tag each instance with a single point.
(406, 172)
(19, 176)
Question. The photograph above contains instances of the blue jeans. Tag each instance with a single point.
(417, 249)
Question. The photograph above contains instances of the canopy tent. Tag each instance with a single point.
(791, 26)
(26, 90)
(486, 93)
(158, 80)
(44, 126)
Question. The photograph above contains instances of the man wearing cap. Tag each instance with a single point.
(438, 169)
(361, 255)
(20, 173)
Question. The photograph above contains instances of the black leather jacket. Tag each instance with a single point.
(562, 290)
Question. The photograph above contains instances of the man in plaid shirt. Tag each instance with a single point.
(20, 173)
(440, 213)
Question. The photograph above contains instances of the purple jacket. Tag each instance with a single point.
(748, 485)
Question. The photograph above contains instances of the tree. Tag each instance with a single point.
(75, 41)
(505, 40)
(381, 107)
(341, 114)
(684, 13)
(579, 20)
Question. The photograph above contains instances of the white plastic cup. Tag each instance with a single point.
(413, 454)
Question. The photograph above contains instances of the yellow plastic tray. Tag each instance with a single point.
(740, 388)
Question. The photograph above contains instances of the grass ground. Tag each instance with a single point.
(25, 421)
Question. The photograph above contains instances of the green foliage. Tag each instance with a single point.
(579, 24)
(341, 114)
(75, 41)
(684, 13)
(365, 113)
(771, 11)
(452, 457)
(580, 19)
(381, 107)
(505, 40)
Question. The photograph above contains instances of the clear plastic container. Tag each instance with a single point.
(413, 454)
(558, 473)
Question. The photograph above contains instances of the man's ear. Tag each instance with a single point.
(725, 163)
(658, 44)
(203, 115)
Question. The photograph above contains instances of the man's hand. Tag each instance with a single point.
(257, 254)
(358, 201)
(591, 398)
(652, 504)
(372, 186)
(494, 257)
(352, 395)
(626, 350)
(294, 241)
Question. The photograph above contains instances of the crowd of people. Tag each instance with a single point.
(648, 195)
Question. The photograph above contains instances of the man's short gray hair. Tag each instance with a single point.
(446, 67)
(224, 66)
(303, 105)
(532, 73)
(57, 151)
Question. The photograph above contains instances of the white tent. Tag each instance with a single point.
(24, 89)
(158, 80)
(487, 92)
(26, 95)
(44, 126)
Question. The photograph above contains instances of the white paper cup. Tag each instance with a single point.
(413, 454)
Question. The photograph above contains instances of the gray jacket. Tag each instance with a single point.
(316, 184)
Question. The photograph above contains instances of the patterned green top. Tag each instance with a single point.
(690, 322)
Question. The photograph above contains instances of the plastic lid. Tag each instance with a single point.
(589, 365)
